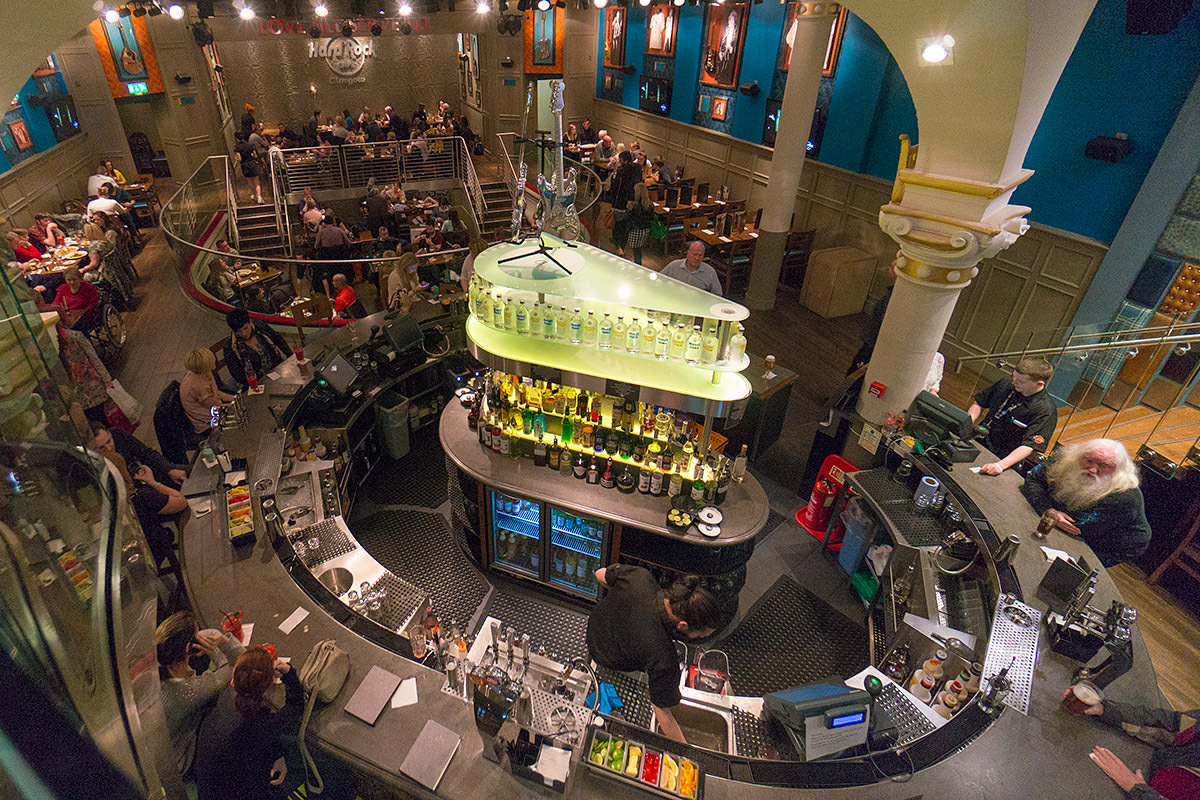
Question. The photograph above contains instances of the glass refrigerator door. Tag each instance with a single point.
(576, 549)
(516, 534)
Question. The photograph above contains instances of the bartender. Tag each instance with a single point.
(1020, 414)
(633, 627)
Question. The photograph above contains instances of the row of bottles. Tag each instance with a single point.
(524, 551)
(929, 683)
(665, 336)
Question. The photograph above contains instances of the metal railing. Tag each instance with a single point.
(1089, 342)
(588, 184)
(231, 203)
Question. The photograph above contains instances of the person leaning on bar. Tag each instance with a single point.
(634, 625)
(1020, 414)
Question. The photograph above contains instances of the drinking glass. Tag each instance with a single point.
(417, 639)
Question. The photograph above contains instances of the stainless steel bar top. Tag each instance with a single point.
(745, 510)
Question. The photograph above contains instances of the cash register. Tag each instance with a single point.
(825, 719)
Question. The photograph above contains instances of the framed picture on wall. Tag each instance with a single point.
(720, 108)
(543, 32)
(128, 58)
(705, 103)
(832, 51)
(614, 37)
(608, 80)
(662, 22)
(20, 134)
(724, 37)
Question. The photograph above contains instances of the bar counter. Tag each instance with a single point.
(1044, 753)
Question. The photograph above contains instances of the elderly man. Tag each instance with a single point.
(344, 298)
(1091, 491)
(692, 269)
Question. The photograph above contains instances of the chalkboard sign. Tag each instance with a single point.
(622, 389)
(543, 373)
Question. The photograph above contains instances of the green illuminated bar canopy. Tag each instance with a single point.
(603, 282)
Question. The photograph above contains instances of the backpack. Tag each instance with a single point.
(322, 676)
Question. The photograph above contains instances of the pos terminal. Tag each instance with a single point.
(823, 719)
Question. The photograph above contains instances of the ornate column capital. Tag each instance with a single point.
(811, 10)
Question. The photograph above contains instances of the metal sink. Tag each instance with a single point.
(703, 726)
(338, 580)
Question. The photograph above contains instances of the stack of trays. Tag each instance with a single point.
(632, 763)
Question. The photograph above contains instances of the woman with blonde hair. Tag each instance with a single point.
(198, 390)
(639, 215)
(106, 264)
(402, 281)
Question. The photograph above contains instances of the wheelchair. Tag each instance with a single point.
(104, 326)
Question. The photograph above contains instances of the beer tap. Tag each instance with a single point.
(509, 636)
(495, 644)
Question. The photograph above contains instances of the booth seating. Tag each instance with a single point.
(837, 281)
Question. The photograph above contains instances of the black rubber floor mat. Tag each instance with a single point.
(561, 631)
(418, 479)
(773, 520)
(790, 638)
(633, 693)
(417, 547)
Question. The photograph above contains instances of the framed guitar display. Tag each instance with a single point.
(127, 56)
(544, 41)
(721, 51)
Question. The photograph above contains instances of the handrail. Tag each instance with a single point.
(511, 179)
(279, 202)
(474, 188)
(231, 204)
(1077, 348)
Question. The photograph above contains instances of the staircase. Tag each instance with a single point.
(1172, 433)
(258, 232)
(497, 208)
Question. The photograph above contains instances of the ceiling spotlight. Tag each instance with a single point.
(643, 3)
(600, 3)
(175, 11)
(405, 9)
(246, 12)
(320, 10)
(937, 50)
(111, 16)
(482, 7)
(678, 3)
(543, 5)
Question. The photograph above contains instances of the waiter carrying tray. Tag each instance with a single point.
(1021, 416)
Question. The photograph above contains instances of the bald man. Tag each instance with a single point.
(692, 269)
(1091, 491)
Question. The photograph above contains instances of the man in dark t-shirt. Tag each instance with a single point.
(633, 627)
(1021, 416)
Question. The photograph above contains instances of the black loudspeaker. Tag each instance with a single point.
(1108, 148)
(629, 69)
(201, 34)
(750, 89)
(1154, 17)
(204, 8)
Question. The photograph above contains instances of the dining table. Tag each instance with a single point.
(253, 273)
(59, 259)
(713, 239)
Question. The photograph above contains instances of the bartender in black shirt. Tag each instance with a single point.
(1021, 416)
(633, 627)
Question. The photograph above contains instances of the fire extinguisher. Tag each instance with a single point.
(816, 513)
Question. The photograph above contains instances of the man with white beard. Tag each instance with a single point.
(1091, 491)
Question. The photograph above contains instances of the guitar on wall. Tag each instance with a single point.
(131, 62)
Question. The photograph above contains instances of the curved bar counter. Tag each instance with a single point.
(969, 756)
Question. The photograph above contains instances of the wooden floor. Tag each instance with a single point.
(166, 325)
(1172, 432)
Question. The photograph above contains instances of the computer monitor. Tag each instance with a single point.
(338, 374)
(931, 419)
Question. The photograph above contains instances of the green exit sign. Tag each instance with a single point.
(139, 87)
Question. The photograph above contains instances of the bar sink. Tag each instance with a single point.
(338, 580)
(702, 726)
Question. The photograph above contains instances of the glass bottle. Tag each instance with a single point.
(590, 328)
(737, 346)
(710, 328)
(633, 338)
(484, 307)
(566, 463)
(539, 453)
(606, 480)
(662, 343)
(676, 485)
(522, 315)
(552, 456)
(510, 316)
(568, 429)
(606, 332)
(649, 338)
(739, 466)
(618, 333)
(580, 468)
(548, 320)
(535, 320)
(679, 338)
(498, 312)
(562, 325)
(576, 327)
(708, 348)
(692, 352)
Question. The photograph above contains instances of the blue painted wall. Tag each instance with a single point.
(35, 119)
(1113, 83)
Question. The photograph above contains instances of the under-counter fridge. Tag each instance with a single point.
(541, 542)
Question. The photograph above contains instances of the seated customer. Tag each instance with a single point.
(239, 747)
(108, 441)
(1091, 491)
(45, 233)
(345, 300)
(154, 502)
(23, 250)
(252, 344)
(1021, 415)
(198, 389)
(75, 298)
(186, 696)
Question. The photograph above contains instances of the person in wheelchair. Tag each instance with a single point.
(77, 301)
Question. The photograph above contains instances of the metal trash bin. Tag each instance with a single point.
(393, 423)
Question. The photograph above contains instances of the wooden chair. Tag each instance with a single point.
(735, 205)
(310, 312)
(1187, 555)
(676, 236)
(795, 257)
(732, 264)
(693, 224)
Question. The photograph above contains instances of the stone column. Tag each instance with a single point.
(945, 226)
(813, 24)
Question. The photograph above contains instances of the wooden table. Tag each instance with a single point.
(254, 274)
(710, 237)
(662, 208)
(60, 259)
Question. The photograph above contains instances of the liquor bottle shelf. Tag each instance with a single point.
(529, 514)
(519, 526)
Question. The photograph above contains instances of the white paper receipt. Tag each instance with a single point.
(289, 624)
(406, 693)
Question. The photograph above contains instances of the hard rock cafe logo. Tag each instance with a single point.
(344, 54)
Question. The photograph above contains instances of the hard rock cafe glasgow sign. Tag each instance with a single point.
(345, 56)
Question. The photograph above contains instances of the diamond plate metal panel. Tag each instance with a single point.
(1014, 641)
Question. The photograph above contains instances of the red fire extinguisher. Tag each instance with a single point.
(816, 513)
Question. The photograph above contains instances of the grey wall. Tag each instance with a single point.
(273, 75)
